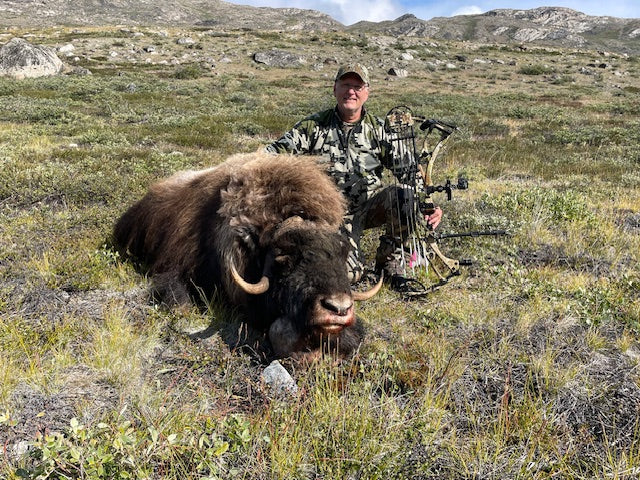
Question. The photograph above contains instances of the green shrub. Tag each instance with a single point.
(124, 449)
(535, 70)
(189, 72)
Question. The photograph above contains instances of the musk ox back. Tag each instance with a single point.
(263, 230)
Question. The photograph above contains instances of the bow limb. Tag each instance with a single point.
(443, 266)
(451, 264)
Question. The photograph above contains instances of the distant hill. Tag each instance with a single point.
(213, 13)
(553, 26)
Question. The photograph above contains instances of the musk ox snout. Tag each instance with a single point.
(333, 313)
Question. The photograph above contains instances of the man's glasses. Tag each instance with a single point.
(356, 88)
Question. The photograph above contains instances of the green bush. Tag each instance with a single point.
(535, 70)
(189, 72)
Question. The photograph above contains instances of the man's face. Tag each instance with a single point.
(351, 93)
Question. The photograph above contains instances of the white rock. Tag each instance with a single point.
(68, 48)
(278, 380)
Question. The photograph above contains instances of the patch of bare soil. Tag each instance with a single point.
(556, 256)
(601, 405)
(629, 220)
(83, 394)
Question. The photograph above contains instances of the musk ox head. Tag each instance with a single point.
(305, 281)
(262, 230)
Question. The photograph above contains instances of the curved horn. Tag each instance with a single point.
(251, 288)
(362, 296)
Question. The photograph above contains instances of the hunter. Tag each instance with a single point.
(353, 144)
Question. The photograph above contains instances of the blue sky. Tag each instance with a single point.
(352, 11)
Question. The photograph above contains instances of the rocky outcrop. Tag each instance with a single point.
(278, 58)
(20, 59)
(212, 13)
(552, 26)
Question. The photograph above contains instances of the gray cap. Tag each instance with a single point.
(356, 68)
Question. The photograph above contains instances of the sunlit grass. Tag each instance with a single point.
(118, 349)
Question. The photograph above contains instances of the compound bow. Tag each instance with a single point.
(408, 166)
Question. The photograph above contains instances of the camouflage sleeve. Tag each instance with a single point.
(296, 141)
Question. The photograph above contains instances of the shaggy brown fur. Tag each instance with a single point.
(190, 228)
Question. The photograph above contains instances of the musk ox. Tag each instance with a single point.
(264, 231)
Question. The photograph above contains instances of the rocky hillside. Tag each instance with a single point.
(544, 26)
(554, 26)
(210, 13)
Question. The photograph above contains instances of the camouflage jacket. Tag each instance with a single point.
(355, 156)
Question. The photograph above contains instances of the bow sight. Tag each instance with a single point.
(413, 169)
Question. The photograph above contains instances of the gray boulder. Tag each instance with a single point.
(279, 58)
(278, 381)
(20, 59)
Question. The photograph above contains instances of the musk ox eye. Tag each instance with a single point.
(283, 261)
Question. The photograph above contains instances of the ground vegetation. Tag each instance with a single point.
(525, 366)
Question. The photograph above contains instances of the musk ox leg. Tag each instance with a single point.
(170, 290)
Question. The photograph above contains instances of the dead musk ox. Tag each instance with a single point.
(264, 231)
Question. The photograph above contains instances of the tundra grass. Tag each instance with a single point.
(525, 366)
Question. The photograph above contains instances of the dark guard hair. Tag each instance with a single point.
(264, 231)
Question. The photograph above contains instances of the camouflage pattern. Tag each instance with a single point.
(355, 156)
(356, 68)
(390, 208)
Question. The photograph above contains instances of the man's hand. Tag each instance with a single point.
(434, 218)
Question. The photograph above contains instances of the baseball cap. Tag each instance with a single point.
(356, 68)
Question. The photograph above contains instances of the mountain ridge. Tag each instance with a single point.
(551, 26)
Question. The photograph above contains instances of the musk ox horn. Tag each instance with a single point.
(366, 295)
(251, 288)
(290, 222)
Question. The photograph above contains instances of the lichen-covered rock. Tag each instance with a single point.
(279, 58)
(20, 59)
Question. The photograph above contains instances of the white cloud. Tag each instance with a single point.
(467, 10)
(352, 11)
